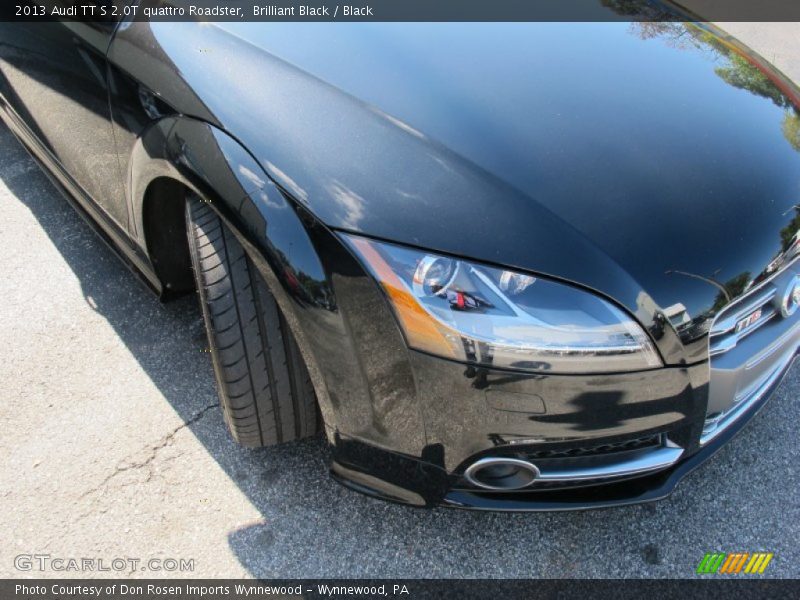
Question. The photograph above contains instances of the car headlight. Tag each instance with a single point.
(483, 315)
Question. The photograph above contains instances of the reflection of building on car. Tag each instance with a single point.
(677, 314)
(784, 257)
(794, 247)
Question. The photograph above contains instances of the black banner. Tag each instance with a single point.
(227, 589)
(401, 10)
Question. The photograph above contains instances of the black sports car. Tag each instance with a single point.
(508, 266)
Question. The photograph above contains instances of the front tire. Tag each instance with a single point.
(264, 387)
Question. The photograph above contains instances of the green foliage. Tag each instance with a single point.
(791, 128)
(734, 287)
(745, 75)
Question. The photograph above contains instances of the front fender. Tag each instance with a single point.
(303, 264)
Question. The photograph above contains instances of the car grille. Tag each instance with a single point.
(597, 450)
(724, 335)
(751, 343)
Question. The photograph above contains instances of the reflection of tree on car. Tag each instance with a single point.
(739, 69)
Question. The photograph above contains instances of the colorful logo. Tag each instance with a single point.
(734, 563)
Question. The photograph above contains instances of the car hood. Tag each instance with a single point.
(655, 163)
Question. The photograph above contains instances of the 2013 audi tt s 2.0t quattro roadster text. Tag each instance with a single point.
(501, 266)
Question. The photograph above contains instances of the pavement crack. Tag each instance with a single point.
(152, 453)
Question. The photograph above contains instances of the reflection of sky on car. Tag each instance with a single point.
(550, 113)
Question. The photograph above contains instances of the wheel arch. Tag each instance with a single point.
(180, 155)
(163, 229)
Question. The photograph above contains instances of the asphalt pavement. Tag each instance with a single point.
(113, 446)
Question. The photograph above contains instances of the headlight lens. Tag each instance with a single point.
(487, 316)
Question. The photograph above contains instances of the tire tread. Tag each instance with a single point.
(264, 387)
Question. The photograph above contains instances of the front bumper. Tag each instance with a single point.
(406, 426)
(649, 488)
(409, 480)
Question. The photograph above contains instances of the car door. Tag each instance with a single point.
(53, 75)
